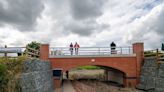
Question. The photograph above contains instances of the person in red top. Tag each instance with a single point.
(76, 46)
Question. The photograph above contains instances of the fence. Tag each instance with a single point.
(8, 52)
(65, 51)
(32, 52)
(155, 53)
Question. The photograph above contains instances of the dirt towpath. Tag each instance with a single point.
(67, 86)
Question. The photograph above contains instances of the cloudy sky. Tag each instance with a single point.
(88, 22)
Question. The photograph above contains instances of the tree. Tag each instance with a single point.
(34, 45)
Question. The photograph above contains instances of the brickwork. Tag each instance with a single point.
(129, 65)
(57, 82)
(138, 49)
(44, 51)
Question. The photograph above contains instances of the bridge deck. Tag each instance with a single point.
(85, 56)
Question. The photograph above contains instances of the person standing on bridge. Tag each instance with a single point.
(71, 48)
(76, 46)
(113, 47)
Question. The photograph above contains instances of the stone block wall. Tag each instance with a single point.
(37, 77)
(152, 76)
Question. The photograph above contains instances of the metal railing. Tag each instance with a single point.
(11, 51)
(155, 53)
(18, 51)
(65, 51)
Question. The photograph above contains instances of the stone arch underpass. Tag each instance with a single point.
(129, 64)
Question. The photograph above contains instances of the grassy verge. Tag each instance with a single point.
(10, 70)
(89, 68)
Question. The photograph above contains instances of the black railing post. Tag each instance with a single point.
(157, 52)
(5, 52)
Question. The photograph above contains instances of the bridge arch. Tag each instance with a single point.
(124, 64)
(109, 74)
(119, 63)
(102, 66)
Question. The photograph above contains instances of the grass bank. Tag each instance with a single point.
(10, 70)
(89, 68)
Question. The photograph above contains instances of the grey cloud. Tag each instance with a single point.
(19, 42)
(85, 28)
(149, 28)
(1, 42)
(21, 14)
(77, 16)
(155, 22)
(158, 25)
(82, 9)
(80, 28)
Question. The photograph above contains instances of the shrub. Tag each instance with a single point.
(10, 70)
(3, 77)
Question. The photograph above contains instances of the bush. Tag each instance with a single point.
(3, 77)
(10, 70)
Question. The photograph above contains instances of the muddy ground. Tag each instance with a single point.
(99, 86)
(93, 81)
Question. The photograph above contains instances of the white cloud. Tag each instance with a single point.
(12, 37)
(89, 22)
(148, 28)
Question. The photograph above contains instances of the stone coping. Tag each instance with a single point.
(88, 56)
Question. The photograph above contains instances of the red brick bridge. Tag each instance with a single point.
(128, 61)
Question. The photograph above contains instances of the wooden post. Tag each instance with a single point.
(157, 57)
(5, 52)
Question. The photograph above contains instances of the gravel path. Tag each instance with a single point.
(67, 86)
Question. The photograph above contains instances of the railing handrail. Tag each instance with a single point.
(95, 47)
(92, 50)
(11, 49)
(27, 51)
(156, 53)
(16, 47)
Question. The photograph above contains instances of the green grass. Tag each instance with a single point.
(89, 68)
(152, 54)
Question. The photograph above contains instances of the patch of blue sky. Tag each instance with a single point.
(145, 9)
(152, 4)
